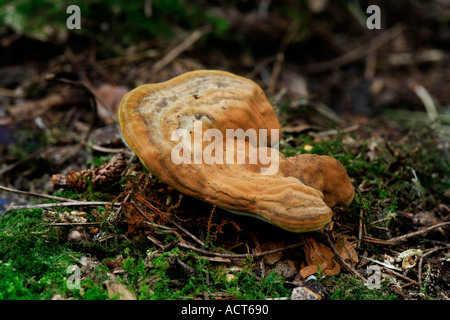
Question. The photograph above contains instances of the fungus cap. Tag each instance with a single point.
(150, 115)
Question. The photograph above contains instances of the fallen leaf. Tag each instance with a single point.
(273, 258)
(307, 271)
(347, 250)
(111, 95)
(319, 254)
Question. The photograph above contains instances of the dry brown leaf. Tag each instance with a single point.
(273, 258)
(319, 254)
(347, 250)
(308, 271)
(111, 95)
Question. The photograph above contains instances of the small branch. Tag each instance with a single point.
(93, 98)
(62, 224)
(15, 164)
(155, 241)
(158, 226)
(419, 276)
(426, 99)
(34, 194)
(175, 52)
(142, 212)
(200, 242)
(64, 204)
(357, 53)
(236, 255)
(114, 215)
(398, 274)
(400, 239)
(360, 232)
(339, 258)
(106, 150)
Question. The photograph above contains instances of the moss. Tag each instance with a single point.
(346, 287)
(34, 256)
(33, 262)
(163, 279)
(388, 178)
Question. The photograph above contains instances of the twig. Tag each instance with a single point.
(93, 98)
(64, 204)
(400, 239)
(34, 194)
(360, 231)
(357, 53)
(158, 226)
(113, 216)
(175, 52)
(384, 264)
(397, 274)
(142, 212)
(260, 66)
(290, 34)
(106, 150)
(257, 249)
(419, 267)
(62, 224)
(339, 258)
(200, 242)
(336, 132)
(208, 229)
(8, 93)
(237, 255)
(275, 73)
(15, 164)
(134, 57)
(155, 241)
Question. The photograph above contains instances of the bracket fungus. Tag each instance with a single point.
(214, 136)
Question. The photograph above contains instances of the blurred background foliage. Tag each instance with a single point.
(122, 22)
(126, 23)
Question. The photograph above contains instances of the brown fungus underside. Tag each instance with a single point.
(298, 197)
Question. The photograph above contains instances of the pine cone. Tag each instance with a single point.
(107, 174)
(100, 177)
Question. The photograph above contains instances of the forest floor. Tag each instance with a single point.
(378, 102)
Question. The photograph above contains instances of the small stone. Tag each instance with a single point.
(76, 235)
(309, 291)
